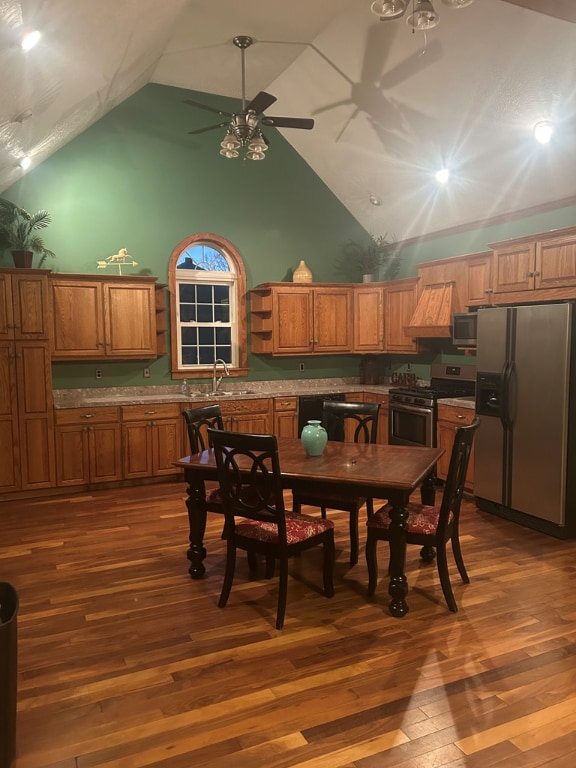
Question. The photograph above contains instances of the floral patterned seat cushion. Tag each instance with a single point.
(298, 528)
(421, 518)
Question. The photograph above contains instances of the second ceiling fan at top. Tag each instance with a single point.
(243, 128)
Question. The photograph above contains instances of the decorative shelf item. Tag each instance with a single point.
(302, 273)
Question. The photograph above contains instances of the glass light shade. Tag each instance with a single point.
(424, 16)
(389, 9)
(457, 3)
(230, 153)
(252, 155)
(543, 131)
(257, 144)
(230, 141)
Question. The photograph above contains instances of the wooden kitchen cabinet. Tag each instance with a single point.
(476, 280)
(369, 317)
(371, 397)
(286, 416)
(151, 439)
(544, 262)
(451, 417)
(88, 446)
(400, 301)
(26, 405)
(294, 319)
(248, 415)
(100, 318)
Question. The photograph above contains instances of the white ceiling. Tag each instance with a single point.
(390, 106)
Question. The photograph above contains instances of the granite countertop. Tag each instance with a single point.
(106, 396)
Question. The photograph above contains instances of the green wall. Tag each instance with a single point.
(138, 179)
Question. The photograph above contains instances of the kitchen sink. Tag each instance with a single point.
(226, 393)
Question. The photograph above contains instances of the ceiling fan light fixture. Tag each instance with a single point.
(424, 16)
(387, 10)
(253, 155)
(230, 141)
(229, 153)
(257, 144)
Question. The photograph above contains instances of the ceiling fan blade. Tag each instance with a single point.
(307, 123)
(261, 102)
(208, 109)
(211, 127)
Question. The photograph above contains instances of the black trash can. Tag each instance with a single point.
(8, 672)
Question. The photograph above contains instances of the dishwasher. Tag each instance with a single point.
(310, 407)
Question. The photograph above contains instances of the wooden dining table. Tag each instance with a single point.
(389, 472)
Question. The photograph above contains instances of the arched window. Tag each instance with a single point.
(207, 307)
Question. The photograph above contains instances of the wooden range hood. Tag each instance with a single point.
(432, 317)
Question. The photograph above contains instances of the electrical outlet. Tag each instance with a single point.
(98, 373)
(301, 366)
(146, 373)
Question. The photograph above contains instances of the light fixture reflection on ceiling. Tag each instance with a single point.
(29, 39)
(442, 176)
(25, 162)
(387, 10)
(424, 16)
(543, 131)
(457, 3)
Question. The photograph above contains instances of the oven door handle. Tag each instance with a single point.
(411, 408)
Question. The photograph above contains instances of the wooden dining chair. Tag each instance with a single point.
(256, 519)
(358, 421)
(431, 527)
(198, 421)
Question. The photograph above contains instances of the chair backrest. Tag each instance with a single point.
(456, 477)
(363, 418)
(249, 477)
(198, 421)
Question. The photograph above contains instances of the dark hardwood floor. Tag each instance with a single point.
(126, 662)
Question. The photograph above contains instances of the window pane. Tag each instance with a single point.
(189, 356)
(224, 336)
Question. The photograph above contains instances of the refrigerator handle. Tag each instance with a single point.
(505, 393)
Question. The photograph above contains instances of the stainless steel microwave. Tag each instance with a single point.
(464, 329)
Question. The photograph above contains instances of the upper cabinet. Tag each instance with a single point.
(103, 317)
(369, 317)
(294, 319)
(24, 305)
(545, 263)
(400, 301)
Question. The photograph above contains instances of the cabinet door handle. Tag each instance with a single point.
(459, 416)
(150, 413)
(88, 416)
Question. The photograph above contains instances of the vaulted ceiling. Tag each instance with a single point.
(390, 106)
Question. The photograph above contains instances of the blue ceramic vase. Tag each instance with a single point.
(314, 438)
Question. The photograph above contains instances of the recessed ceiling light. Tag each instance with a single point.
(442, 176)
(25, 162)
(375, 200)
(29, 39)
(543, 131)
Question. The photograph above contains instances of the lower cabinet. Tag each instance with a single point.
(451, 417)
(286, 416)
(254, 416)
(151, 439)
(88, 446)
(371, 397)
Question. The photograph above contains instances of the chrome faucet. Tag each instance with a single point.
(216, 382)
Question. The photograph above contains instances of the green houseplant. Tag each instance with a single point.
(364, 260)
(18, 233)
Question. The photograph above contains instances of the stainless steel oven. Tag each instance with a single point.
(411, 424)
(413, 410)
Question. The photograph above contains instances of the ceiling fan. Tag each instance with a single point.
(243, 128)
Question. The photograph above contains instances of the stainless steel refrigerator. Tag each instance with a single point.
(524, 448)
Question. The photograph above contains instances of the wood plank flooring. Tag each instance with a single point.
(124, 661)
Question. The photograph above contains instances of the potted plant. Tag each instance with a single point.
(377, 255)
(18, 233)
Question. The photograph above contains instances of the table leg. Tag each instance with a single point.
(196, 505)
(398, 585)
(428, 490)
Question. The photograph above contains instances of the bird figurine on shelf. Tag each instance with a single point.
(120, 259)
